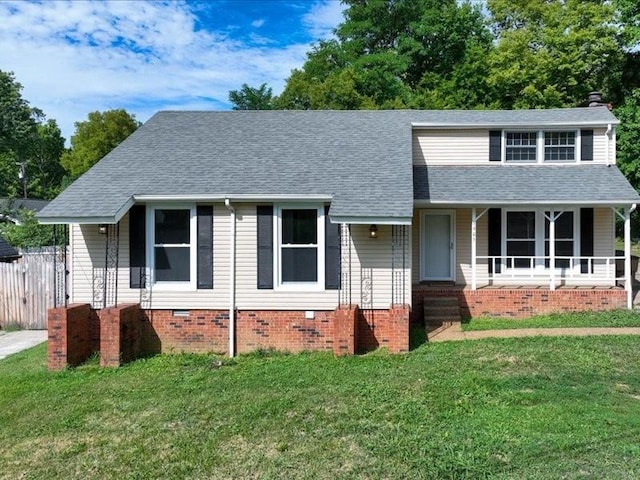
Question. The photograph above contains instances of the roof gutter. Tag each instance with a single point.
(480, 125)
(481, 203)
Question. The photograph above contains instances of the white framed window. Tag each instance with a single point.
(560, 146)
(538, 146)
(299, 252)
(521, 146)
(526, 233)
(171, 245)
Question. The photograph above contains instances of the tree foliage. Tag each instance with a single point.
(250, 98)
(96, 137)
(29, 233)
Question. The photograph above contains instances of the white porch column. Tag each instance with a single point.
(627, 257)
(474, 223)
(552, 250)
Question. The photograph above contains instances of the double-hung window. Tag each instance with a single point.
(540, 146)
(526, 238)
(300, 251)
(172, 240)
(559, 146)
(521, 147)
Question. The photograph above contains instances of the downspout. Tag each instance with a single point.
(232, 280)
(609, 134)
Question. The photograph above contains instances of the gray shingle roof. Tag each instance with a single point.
(500, 184)
(27, 203)
(7, 252)
(359, 159)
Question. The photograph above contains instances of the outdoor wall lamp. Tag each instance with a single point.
(373, 231)
(102, 229)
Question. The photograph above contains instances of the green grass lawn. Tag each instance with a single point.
(517, 408)
(618, 318)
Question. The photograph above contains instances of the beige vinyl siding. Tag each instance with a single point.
(603, 236)
(88, 259)
(600, 146)
(471, 147)
(447, 147)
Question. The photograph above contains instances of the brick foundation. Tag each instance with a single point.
(70, 336)
(522, 302)
(126, 332)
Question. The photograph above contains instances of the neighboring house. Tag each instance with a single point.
(256, 229)
(10, 208)
(7, 252)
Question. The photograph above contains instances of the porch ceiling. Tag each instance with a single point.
(500, 184)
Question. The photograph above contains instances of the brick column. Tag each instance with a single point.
(120, 335)
(344, 329)
(398, 328)
(69, 335)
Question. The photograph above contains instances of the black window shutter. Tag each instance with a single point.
(265, 246)
(205, 246)
(586, 237)
(586, 145)
(494, 219)
(137, 246)
(331, 253)
(495, 145)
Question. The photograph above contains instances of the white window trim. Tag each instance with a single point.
(540, 146)
(191, 285)
(539, 239)
(316, 286)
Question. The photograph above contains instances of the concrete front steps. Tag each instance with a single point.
(440, 314)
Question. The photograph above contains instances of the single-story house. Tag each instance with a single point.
(232, 231)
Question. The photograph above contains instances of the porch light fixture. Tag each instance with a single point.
(102, 229)
(373, 231)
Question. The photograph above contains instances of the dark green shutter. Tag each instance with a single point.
(205, 246)
(331, 253)
(495, 145)
(137, 246)
(265, 246)
(586, 237)
(494, 219)
(586, 145)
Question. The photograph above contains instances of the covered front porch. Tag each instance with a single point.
(555, 247)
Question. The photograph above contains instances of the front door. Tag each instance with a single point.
(437, 245)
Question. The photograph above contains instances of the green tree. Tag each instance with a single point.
(29, 233)
(552, 53)
(628, 133)
(249, 98)
(96, 137)
(17, 118)
(395, 54)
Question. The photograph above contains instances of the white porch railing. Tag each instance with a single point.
(495, 270)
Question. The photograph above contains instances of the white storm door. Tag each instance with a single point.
(437, 245)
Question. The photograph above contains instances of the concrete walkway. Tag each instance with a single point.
(453, 334)
(14, 342)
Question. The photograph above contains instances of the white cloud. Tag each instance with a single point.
(324, 17)
(76, 57)
(257, 23)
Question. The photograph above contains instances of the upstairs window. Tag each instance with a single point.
(540, 146)
(520, 147)
(559, 146)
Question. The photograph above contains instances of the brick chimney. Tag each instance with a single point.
(595, 100)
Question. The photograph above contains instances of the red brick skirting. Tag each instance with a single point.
(522, 302)
(126, 332)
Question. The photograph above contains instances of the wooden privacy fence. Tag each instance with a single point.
(27, 289)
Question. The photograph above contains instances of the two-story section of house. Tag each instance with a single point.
(515, 211)
(233, 231)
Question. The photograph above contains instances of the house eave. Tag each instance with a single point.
(498, 203)
(370, 220)
(509, 125)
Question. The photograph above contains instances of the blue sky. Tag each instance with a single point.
(74, 57)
